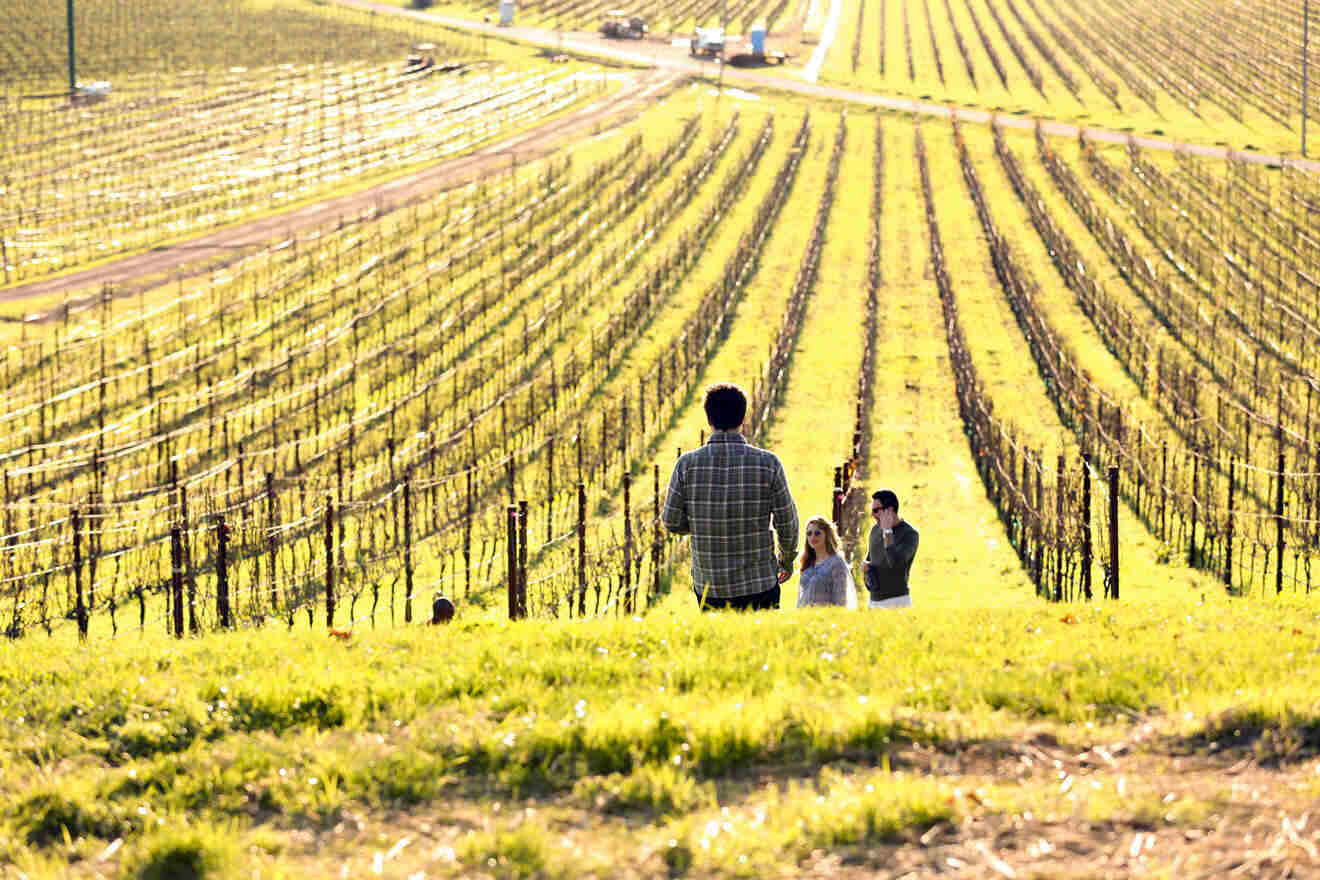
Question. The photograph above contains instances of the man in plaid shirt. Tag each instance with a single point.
(725, 496)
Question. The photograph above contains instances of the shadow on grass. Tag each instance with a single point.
(1273, 737)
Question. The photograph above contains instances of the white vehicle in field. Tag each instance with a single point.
(707, 43)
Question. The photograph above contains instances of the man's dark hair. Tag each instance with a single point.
(887, 498)
(726, 406)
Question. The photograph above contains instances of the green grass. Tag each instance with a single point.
(197, 753)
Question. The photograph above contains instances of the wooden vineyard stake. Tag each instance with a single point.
(1279, 523)
(329, 561)
(655, 538)
(627, 540)
(176, 579)
(1086, 525)
(1058, 532)
(339, 497)
(511, 543)
(1164, 487)
(550, 490)
(1228, 539)
(467, 536)
(81, 608)
(522, 558)
(189, 579)
(582, 549)
(407, 548)
(1191, 536)
(272, 523)
(836, 504)
(1113, 532)
(222, 573)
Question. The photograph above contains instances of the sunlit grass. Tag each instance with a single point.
(629, 718)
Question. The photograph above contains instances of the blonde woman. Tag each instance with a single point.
(825, 578)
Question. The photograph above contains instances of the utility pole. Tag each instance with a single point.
(73, 80)
(1306, 23)
(724, 43)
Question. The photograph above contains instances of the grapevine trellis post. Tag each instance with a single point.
(836, 503)
(329, 561)
(582, 549)
(77, 575)
(511, 545)
(1113, 532)
(1279, 523)
(222, 573)
(1228, 543)
(73, 79)
(407, 548)
(1086, 526)
(627, 541)
(522, 559)
(655, 539)
(1058, 531)
(467, 537)
(176, 579)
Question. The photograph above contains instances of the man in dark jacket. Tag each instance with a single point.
(892, 545)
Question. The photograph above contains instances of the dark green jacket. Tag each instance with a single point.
(887, 576)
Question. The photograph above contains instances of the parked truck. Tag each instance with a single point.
(707, 43)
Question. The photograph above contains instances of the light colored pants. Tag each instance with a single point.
(897, 602)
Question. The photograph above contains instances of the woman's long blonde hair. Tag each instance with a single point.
(831, 540)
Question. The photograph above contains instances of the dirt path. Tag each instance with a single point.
(226, 245)
(812, 70)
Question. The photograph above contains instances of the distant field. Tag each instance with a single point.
(1221, 73)
(133, 44)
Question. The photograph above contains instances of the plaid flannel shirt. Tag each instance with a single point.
(725, 495)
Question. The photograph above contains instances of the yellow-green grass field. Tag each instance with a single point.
(1208, 123)
(775, 744)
